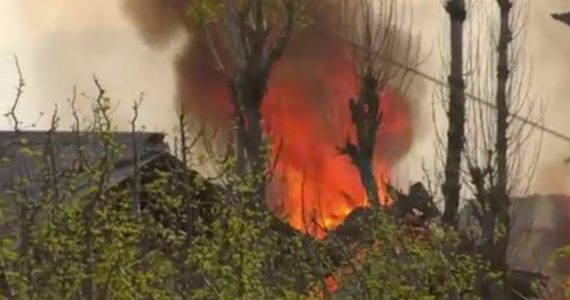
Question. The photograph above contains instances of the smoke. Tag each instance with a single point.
(157, 21)
(549, 45)
(305, 107)
(202, 88)
(546, 52)
(63, 43)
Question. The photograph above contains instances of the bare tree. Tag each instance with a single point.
(376, 33)
(503, 70)
(256, 34)
(456, 132)
(501, 203)
(499, 162)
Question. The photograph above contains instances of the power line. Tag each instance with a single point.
(470, 96)
(482, 101)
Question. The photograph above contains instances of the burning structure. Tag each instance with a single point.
(35, 164)
(42, 171)
(306, 116)
(305, 109)
(533, 238)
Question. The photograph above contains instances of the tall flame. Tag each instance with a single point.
(319, 186)
(305, 112)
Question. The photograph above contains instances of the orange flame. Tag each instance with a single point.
(319, 186)
(305, 112)
(331, 283)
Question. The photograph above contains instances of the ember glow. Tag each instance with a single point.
(306, 115)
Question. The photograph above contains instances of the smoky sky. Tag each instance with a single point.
(311, 49)
(61, 43)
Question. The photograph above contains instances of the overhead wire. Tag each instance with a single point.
(433, 79)
(470, 96)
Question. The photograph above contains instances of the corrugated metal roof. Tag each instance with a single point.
(24, 156)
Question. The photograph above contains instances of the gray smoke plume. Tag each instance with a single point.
(61, 43)
(201, 87)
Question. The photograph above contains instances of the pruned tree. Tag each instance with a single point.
(501, 201)
(377, 33)
(457, 12)
(255, 34)
(499, 156)
(503, 72)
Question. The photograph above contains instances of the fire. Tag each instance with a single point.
(305, 110)
(320, 187)
(331, 283)
(306, 114)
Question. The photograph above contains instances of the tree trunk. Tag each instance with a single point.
(248, 89)
(502, 196)
(369, 182)
(456, 131)
(503, 73)
(366, 118)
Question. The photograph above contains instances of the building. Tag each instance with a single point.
(24, 155)
(539, 228)
(540, 222)
(32, 161)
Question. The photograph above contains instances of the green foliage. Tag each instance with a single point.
(564, 253)
(204, 11)
(84, 237)
(404, 265)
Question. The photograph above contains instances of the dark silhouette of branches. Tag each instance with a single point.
(376, 31)
(256, 34)
(11, 114)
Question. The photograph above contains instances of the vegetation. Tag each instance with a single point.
(101, 240)
(564, 253)
(168, 233)
(102, 244)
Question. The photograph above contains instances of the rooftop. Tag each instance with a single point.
(25, 154)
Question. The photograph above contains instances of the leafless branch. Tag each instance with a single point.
(136, 156)
(11, 114)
